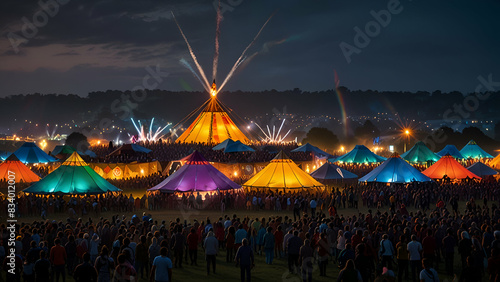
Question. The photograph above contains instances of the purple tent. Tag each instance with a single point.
(197, 174)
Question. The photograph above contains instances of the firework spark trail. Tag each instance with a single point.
(262, 130)
(242, 55)
(285, 135)
(279, 130)
(207, 85)
(217, 35)
(190, 68)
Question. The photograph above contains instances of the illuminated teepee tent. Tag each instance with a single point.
(213, 125)
(360, 154)
(22, 172)
(473, 151)
(420, 154)
(282, 173)
(395, 170)
(481, 169)
(196, 175)
(74, 176)
(450, 150)
(448, 166)
(30, 153)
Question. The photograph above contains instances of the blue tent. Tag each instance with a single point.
(310, 148)
(481, 169)
(450, 150)
(395, 170)
(223, 144)
(473, 151)
(30, 153)
(233, 146)
(360, 154)
(419, 153)
(4, 155)
(329, 171)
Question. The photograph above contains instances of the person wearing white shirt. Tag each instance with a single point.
(414, 249)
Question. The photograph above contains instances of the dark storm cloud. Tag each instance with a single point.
(427, 46)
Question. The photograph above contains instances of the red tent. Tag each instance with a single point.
(448, 166)
(21, 171)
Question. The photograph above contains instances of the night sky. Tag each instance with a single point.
(98, 45)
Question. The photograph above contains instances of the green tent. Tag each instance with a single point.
(420, 154)
(473, 151)
(360, 154)
(74, 176)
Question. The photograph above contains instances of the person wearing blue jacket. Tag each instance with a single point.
(268, 244)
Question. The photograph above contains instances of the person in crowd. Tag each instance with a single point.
(211, 249)
(85, 272)
(161, 271)
(245, 260)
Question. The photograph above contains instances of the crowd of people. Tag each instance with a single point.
(389, 244)
(168, 151)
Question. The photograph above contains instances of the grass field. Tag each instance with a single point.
(278, 271)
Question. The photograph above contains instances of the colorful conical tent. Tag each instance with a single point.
(74, 176)
(30, 153)
(21, 171)
(197, 174)
(223, 144)
(282, 173)
(231, 146)
(4, 155)
(450, 150)
(419, 153)
(448, 166)
(360, 154)
(395, 170)
(495, 163)
(329, 171)
(212, 126)
(310, 148)
(64, 150)
(481, 169)
(473, 151)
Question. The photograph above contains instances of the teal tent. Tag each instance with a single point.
(310, 148)
(481, 169)
(360, 154)
(74, 176)
(329, 171)
(419, 153)
(395, 170)
(450, 150)
(30, 153)
(64, 150)
(473, 151)
(4, 155)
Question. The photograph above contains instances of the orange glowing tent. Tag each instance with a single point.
(448, 166)
(213, 125)
(20, 170)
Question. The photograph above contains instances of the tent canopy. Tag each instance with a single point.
(30, 153)
(450, 150)
(4, 155)
(360, 154)
(310, 148)
(231, 146)
(212, 126)
(448, 166)
(74, 176)
(282, 173)
(419, 153)
(481, 169)
(495, 162)
(22, 172)
(130, 149)
(329, 171)
(473, 151)
(395, 170)
(197, 174)
(68, 150)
